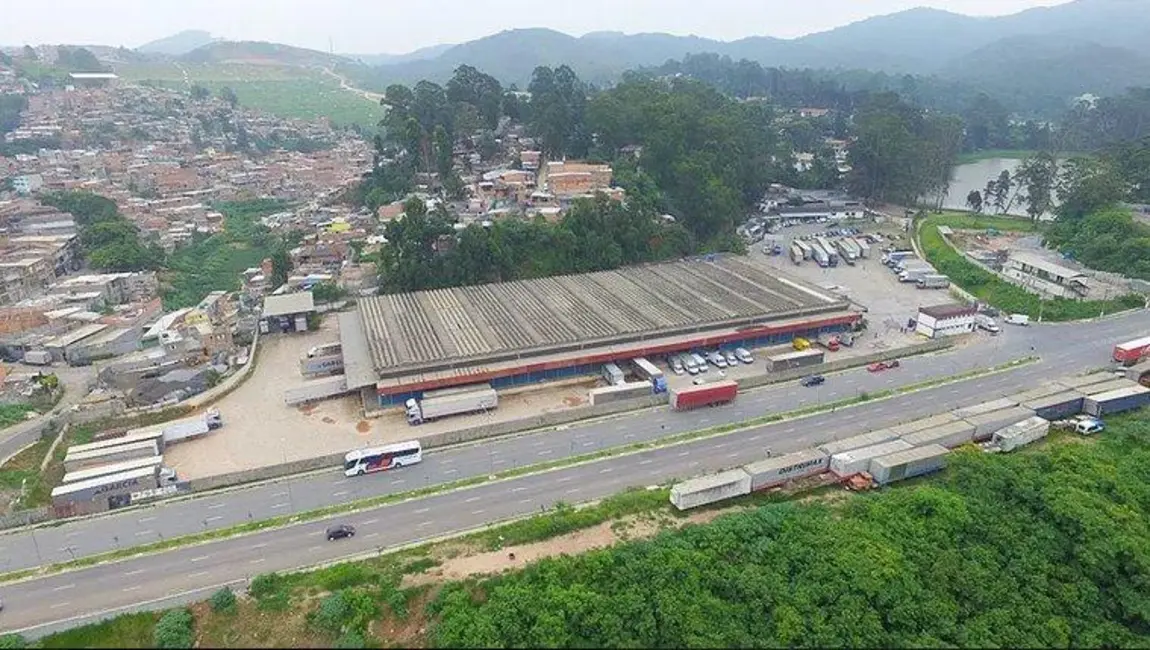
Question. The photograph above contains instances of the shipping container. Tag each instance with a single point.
(1082, 382)
(1020, 434)
(796, 359)
(1115, 383)
(908, 464)
(1117, 401)
(987, 423)
(950, 435)
(37, 357)
(710, 489)
(109, 492)
(451, 401)
(622, 392)
(1139, 372)
(776, 471)
(914, 426)
(324, 365)
(849, 463)
(76, 461)
(1058, 406)
(154, 462)
(857, 442)
(1131, 352)
(864, 247)
(692, 397)
(1045, 390)
(984, 407)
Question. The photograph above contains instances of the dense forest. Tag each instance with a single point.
(1044, 548)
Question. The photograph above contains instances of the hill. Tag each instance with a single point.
(421, 54)
(1091, 44)
(261, 53)
(178, 44)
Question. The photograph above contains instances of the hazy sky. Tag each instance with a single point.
(395, 26)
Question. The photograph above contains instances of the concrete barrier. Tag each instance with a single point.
(331, 461)
(25, 517)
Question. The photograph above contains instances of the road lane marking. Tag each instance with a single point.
(606, 470)
(340, 482)
(546, 452)
(280, 494)
(754, 437)
(694, 464)
(315, 548)
(134, 573)
(498, 461)
(478, 512)
(370, 535)
(198, 574)
(145, 532)
(539, 443)
(718, 445)
(588, 443)
(565, 479)
(144, 520)
(450, 471)
(216, 518)
(261, 545)
(370, 522)
(217, 505)
(518, 489)
(341, 493)
(683, 454)
(57, 605)
(572, 491)
(734, 455)
(398, 481)
(422, 510)
(280, 505)
(258, 560)
(133, 588)
(63, 587)
(426, 523)
(471, 499)
(526, 500)
(200, 559)
(646, 462)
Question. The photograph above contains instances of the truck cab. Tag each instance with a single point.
(214, 419)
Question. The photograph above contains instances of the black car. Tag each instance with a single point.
(813, 380)
(340, 531)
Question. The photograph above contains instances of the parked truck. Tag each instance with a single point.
(819, 255)
(848, 251)
(796, 253)
(984, 322)
(832, 254)
(444, 403)
(892, 258)
(808, 251)
(933, 281)
(914, 275)
(864, 247)
(1130, 352)
(187, 429)
(692, 397)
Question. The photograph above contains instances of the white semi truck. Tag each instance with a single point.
(450, 401)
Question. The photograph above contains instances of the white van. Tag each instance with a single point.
(1018, 319)
(700, 362)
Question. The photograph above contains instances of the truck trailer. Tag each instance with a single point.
(1131, 352)
(692, 397)
(933, 281)
(444, 403)
(210, 420)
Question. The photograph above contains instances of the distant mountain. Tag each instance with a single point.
(391, 59)
(178, 44)
(261, 53)
(1035, 56)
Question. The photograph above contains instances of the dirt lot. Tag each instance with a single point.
(259, 430)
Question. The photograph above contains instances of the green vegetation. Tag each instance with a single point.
(968, 157)
(14, 413)
(320, 513)
(1045, 548)
(109, 241)
(174, 629)
(123, 631)
(995, 291)
(214, 263)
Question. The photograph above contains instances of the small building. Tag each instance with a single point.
(1040, 276)
(287, 312)
(945, 320)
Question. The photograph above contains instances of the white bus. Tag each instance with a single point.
(378, 459)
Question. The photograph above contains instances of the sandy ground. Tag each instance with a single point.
(458, 563)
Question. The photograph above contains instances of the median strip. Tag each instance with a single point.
(375, 502)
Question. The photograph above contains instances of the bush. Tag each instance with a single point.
(342, 576)
(343, 611)
(16, 642)
(351, 639)
(223, 600)
(270, 591)
(174, 629)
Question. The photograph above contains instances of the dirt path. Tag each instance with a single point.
(374, 98)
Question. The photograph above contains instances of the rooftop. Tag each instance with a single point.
(940, 312)
(1050, 268)
(289, 303)
(449, 328)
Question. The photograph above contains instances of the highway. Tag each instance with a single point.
(55, 600)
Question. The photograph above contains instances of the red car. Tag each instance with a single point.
(879, 366)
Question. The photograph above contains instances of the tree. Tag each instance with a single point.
(1087, 185)
(558, 104)
(471, 87)
(30, 53)
(281, 267)
(1001, 191)
(974, 201)
(229, 96)
(199, 93)
(1037, 175)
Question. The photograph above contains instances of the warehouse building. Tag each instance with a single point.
(945, 320)
(287, 312)
(516, 333)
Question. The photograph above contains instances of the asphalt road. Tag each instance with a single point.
(62, 600)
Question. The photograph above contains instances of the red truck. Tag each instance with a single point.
(694, 397)
(1130, 352)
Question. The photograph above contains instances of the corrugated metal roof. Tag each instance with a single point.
(288, 304)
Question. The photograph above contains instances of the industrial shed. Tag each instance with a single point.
(526, 331)
(287, 312)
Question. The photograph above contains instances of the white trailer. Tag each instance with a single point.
(1020, 434)
(908, 464)
(864, 247)
(440, 404)
(854, 461)
(710, 489)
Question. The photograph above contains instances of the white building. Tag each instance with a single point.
(1044, 277)
(28, 184)
(945, 320)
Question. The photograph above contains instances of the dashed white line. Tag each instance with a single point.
(133, 588)
(144, 520)
(754, 437)
(370, 522)
(57, 605)
(684, 454)
(134, 573)
(422, 510)
(145, 532)
(450, 471)
(340, 482)
(280, 505)
(629, 436)
(315, 548)
(588, 443)
(718, 445)
(63, 587)
(734, 455)
(546, 452)
(539, 443)
(213, 506)
(341, 493)
(518, 489)
(525, 500)
(398, 481)
(472, 499)
(646, 462)
(280, 494)
(198, 574)
(211, 519)
(426, 523)
(565, 479)
(606, 470)
(370, 535)
(200, 559)
(260, 545)
(571, 491)
(257, 560)
(478, 512)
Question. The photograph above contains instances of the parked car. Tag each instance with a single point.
(879, 366)
(676, 365)
(812, 380)
(732, 360)
(341, 531)
(743, 355)
(1089, 427)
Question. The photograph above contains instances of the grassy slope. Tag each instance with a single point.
(279, 90)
